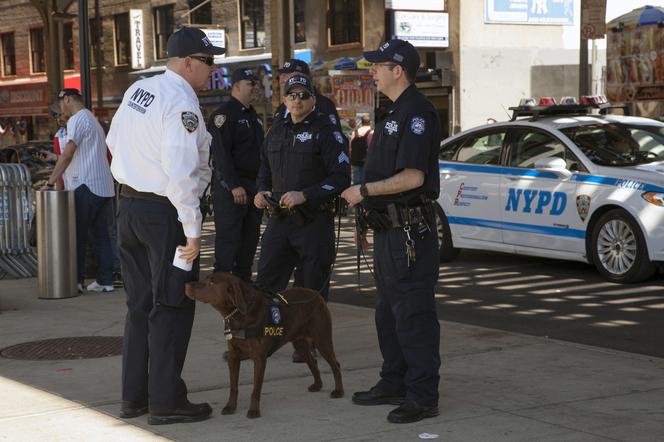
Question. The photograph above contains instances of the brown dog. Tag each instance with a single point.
(302, 317)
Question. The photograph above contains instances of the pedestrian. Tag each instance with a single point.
(359, 143)
(160, 150)
(304, 166)
(237, 136)
(85, 171)
(400, 184)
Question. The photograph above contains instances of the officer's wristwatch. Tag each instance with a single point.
(364, 191)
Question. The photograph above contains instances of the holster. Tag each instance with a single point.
(396, 216)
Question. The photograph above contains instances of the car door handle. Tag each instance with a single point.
(447, 171)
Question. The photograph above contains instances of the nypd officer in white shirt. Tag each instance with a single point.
(160, 150)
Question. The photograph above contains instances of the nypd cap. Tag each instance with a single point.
(243, 74)
(187, 41)
(398, 52)
(301, 81)
(295, 65)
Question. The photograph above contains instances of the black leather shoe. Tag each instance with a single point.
(184, 414)
(410, 411)
(376, 397)
(131, 409)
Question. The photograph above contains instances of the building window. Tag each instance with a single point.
(345, 19)
(202, 14)
(8, 55)
(298, 20)
(121, 36)
(37, 54)
(252, 14)
(94, 41)
(163, 28)
(68, 43)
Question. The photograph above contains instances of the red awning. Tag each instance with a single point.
(29, 97)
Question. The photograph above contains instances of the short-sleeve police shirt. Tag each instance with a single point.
(407, 137)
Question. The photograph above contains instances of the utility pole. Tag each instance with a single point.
(99, 76)
(84, 43)
(281, 43)
(583, 67)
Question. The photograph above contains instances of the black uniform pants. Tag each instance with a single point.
(160, 316)
(286, 244)
(406, 319)
(237, 229)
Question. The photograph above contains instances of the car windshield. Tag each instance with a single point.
(619, 144)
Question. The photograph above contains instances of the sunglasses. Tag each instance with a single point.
(292, 96)
(208, 60)
(390, 66)
(251, 82)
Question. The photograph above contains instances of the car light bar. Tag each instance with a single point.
(568, 105)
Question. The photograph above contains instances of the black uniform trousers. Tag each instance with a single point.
(160, 316)
(237, 230)
(406, 319)
(286, 244)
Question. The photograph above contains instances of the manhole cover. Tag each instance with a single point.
(83, 347)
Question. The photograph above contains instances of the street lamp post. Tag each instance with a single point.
(84, 43)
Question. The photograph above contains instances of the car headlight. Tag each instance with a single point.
(656, 198)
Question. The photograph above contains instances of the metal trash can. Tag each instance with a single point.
(56, 244)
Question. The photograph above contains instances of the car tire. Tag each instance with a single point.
(618, 248)
(447, 250)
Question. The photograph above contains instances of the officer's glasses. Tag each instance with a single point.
(292, 96)
(390, 66)
(208, 60)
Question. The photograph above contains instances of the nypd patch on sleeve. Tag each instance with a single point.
(189, 121)
(417, 125)
(219, 120)
(338, 137)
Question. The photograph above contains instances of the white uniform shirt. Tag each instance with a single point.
(89, 165)
(160, 144)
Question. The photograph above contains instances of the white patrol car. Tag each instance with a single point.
(558, 182)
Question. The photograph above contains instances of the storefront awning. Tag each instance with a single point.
(29, 97)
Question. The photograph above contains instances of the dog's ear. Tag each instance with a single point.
(237, 294)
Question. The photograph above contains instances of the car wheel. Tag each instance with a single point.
(447, 250)
(619, 250)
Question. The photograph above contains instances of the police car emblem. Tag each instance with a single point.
(392, 127)
(304, 136)
(338, 136)
(276, 315)
(219, 120)
(189, 121)
(583, 206)
(333, 120)
(417, 125)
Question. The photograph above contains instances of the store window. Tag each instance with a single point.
(37, 54)
(252, 16)
(345, 22)
(68, 43)
(121, 36)
(94, 41)
(8, 55)
(163, 28)
(298, 20)
(202, 11)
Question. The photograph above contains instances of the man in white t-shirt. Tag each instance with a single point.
(86, 172)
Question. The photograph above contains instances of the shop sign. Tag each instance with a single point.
(24, 99)
(422, 29)
(530, 12)
(137, 39)
(218, 38)
(353, 91)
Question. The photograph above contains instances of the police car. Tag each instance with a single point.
(564, 181)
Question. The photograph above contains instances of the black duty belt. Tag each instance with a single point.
(130, 192)
(396, 216)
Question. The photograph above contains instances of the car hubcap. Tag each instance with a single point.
(616, 247)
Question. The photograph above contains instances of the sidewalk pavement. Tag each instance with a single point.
(495, 385)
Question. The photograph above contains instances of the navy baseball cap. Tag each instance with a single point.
(300, 80)
(398, 52)
(295, 65)
(243, 74)
(68, 91)
(186, 41)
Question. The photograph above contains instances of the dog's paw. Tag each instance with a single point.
(253, 414)
(228, 410)
(335, 394)
(315, 387)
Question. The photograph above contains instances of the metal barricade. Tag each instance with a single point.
(17, 257)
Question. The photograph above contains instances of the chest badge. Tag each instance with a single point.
(338, 137)
(583, 206)
(276, 315)
(189, 121)
(392, 127)
(219, 120)
(417, 125)
(304, 136)
(333, 119)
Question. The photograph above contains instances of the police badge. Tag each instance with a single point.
(276, 315)
(219, 120)
(417, 125)
(189, 121)
(338, 137)
(583, 206)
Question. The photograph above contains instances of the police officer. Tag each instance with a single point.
(160, 150)
(237, 135)
(400, 181)
(304, 166)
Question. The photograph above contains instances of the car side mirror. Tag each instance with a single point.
(555, 165)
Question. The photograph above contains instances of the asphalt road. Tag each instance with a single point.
(542, 297)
